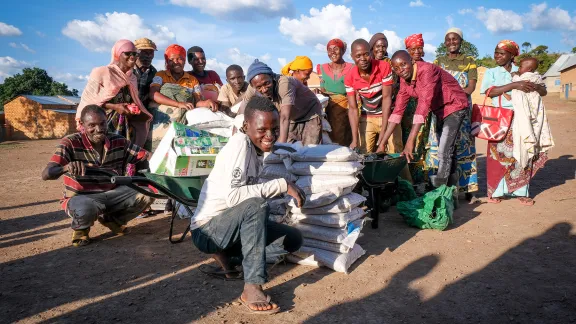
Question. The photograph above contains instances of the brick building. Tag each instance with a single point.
(40, 117)
(568, 79)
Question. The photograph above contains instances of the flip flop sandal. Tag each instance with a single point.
(526, 201)
(80, 238)
(494, 200)
(218, 273)
(247, 304)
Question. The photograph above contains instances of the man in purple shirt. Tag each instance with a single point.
(438, 92)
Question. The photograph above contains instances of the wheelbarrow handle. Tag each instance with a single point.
(121, 180)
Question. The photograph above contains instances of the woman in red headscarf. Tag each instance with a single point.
(332, 84)
(504, 176)
(114, 88)
(174, 92)
(415, 46)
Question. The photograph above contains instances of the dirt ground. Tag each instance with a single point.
(503, 263)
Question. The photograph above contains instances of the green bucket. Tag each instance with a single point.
(381, 170)
(188, 187)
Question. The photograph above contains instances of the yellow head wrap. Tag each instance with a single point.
(299, 63)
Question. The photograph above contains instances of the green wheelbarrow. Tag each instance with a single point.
(380, 176)
(185, 191)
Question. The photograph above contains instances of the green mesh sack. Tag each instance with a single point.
(434, 210)
(405, 191)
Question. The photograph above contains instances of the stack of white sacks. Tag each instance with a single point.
(332, 217)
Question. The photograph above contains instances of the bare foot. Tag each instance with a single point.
(254, 296)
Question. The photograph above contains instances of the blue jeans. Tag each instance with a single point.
(244, 230)
(447, 131)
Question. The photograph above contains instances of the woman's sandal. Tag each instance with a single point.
(494, 200)
(80, 238)
(218, 273)
(526, 201)
(268, 299)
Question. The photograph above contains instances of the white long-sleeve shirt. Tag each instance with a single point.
(233, 180)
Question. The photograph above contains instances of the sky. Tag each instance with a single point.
(68, 38)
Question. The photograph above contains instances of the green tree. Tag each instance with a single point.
(573, 49)
(539, 50)
(486, 61)
(33, 81)
(526, 46)
(467, 48)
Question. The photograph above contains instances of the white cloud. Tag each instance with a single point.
(500, 21)
(282, 61)
(322, 25)
(450, 21)
(9, 30)
(69, 77)
(371, 8)
(41, 34)
(430, 52)
(239, 9)
(100, 34)
(22, 46)
(10, 66)
(189, 32)
(219, 67)
(417, 3)
(395, 42)
(543, 18)
(465, 11)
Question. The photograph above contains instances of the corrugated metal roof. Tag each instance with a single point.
(51, 100)
(74, 100)
(64, 111)
(569, 63)
(554, 70)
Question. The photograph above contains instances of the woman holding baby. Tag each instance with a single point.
(506, 175)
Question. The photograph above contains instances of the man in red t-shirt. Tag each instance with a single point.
(209, 80)
(372, 81)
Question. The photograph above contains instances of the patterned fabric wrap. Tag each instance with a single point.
(465, 143)
(415, 40)
(509, 46)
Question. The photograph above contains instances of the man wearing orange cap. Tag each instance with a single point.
(144, 70)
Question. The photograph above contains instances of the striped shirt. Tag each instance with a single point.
(118, 152)
(370, 92)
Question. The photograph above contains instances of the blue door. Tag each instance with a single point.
(566, 90)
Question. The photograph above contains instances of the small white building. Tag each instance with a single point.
(552, 76)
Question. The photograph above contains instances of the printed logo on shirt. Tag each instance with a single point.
(236, 177)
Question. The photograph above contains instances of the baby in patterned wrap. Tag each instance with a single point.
(531, 130)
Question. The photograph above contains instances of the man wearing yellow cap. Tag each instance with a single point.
(143, 70)
(300, 69)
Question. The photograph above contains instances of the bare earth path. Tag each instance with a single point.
(503, 263)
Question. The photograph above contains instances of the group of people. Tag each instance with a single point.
(378, 103)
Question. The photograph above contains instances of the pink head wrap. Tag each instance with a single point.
(120, 47)
(415, 40)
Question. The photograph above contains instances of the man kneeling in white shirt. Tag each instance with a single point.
(232, 215)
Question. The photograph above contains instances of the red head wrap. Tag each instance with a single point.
(337, 42)
(415, 40)
(175, 49)
(509, 46)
